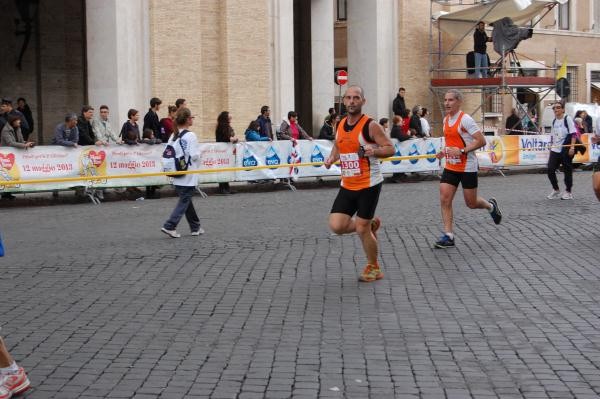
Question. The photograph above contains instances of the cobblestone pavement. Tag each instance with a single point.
(97, 303)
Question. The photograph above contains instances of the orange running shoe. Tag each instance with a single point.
(375, 225)
(371, 273)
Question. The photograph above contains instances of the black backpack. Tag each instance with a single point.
(174, 158)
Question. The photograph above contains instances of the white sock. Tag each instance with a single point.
(450, 235)
(13, 368)
(491, 209)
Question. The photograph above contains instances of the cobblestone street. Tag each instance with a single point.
(98, 303)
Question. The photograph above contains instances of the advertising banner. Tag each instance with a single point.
(430, 146)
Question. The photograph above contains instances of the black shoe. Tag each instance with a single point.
(8, 196)
(444, 242)
(496, 213)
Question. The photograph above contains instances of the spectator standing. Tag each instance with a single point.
(84, 125)
(224, 134)
(264, 121)
(385, 125)
(66, 134)
(6, 109)
(253, 133)
(167, 124)
(415, 121)
(103, 129)
(398, 106)
(180, 102)
(13, 379)
(185, 185)
(148, 137)
(326, 132)
(23, 108)
(151, 120)
(595, 139)
(406, 122)
(563, 133)
(513, 123)
(398, 131)
(588, 123)
(480, 40)
(425, 128)
(11, 137)
(291, 130)
(130, 131)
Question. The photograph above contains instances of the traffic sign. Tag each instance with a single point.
(563, 88)
(341, 77)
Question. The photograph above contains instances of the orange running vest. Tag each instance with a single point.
(357, 173)
(454, 139)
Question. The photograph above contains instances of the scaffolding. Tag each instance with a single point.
(507, 77)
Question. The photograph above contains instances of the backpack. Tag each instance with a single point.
(579, 146)
(174, 158)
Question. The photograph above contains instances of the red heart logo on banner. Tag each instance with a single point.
(7, 161)
(97, 157)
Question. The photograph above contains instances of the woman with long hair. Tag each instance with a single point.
(224, 134)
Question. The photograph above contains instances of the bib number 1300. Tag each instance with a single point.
(350, 164)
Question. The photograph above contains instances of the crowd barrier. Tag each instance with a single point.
(60, 168)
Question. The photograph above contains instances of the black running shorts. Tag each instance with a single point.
(362, 202)
(467, 179)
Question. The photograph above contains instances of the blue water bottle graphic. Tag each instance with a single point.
(413, 151)
(248, 159)
(271, 158)
(317, 156)
(397, 154)
(431, 151)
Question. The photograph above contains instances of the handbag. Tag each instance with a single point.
(579, 147)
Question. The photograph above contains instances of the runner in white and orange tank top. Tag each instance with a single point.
(462, 137)
(358, 146)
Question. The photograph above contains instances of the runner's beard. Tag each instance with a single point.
(356, 111)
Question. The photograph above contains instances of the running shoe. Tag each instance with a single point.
(12, 384)
(170, 233)
(566, 196)
(496, 213)
(198, 232)
(371, 273)
(553, 195)
(444, 242)
(375, 225)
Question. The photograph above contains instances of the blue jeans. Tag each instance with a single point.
(184, 206)
(481, 65)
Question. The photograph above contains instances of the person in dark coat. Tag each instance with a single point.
(513, 123)
(151, 120)
(224, 134)
(23, 108)
(398, 106)
(84, 125)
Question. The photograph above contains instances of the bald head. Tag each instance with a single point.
(355, 88)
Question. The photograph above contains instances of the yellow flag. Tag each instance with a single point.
(562, 72)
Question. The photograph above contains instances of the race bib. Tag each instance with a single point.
(452, 159)
(350, 164)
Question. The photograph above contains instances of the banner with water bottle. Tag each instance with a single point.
(415, 147)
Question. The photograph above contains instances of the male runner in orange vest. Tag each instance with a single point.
(359, 144)
(462, 138)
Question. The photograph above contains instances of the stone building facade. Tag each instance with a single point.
(238, 55)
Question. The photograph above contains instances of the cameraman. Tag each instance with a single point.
(480, 39)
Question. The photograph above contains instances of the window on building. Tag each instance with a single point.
(564, 15)
(342, 7)
(572, 72)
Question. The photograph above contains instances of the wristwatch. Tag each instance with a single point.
(462, 151)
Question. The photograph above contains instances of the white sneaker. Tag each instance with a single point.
(566, 196)
(198, 232)
(554, 195)
(170, 233)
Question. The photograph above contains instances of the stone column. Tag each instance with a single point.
(372, 52)
(323, 87)
(282, 76)
(118, 56)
